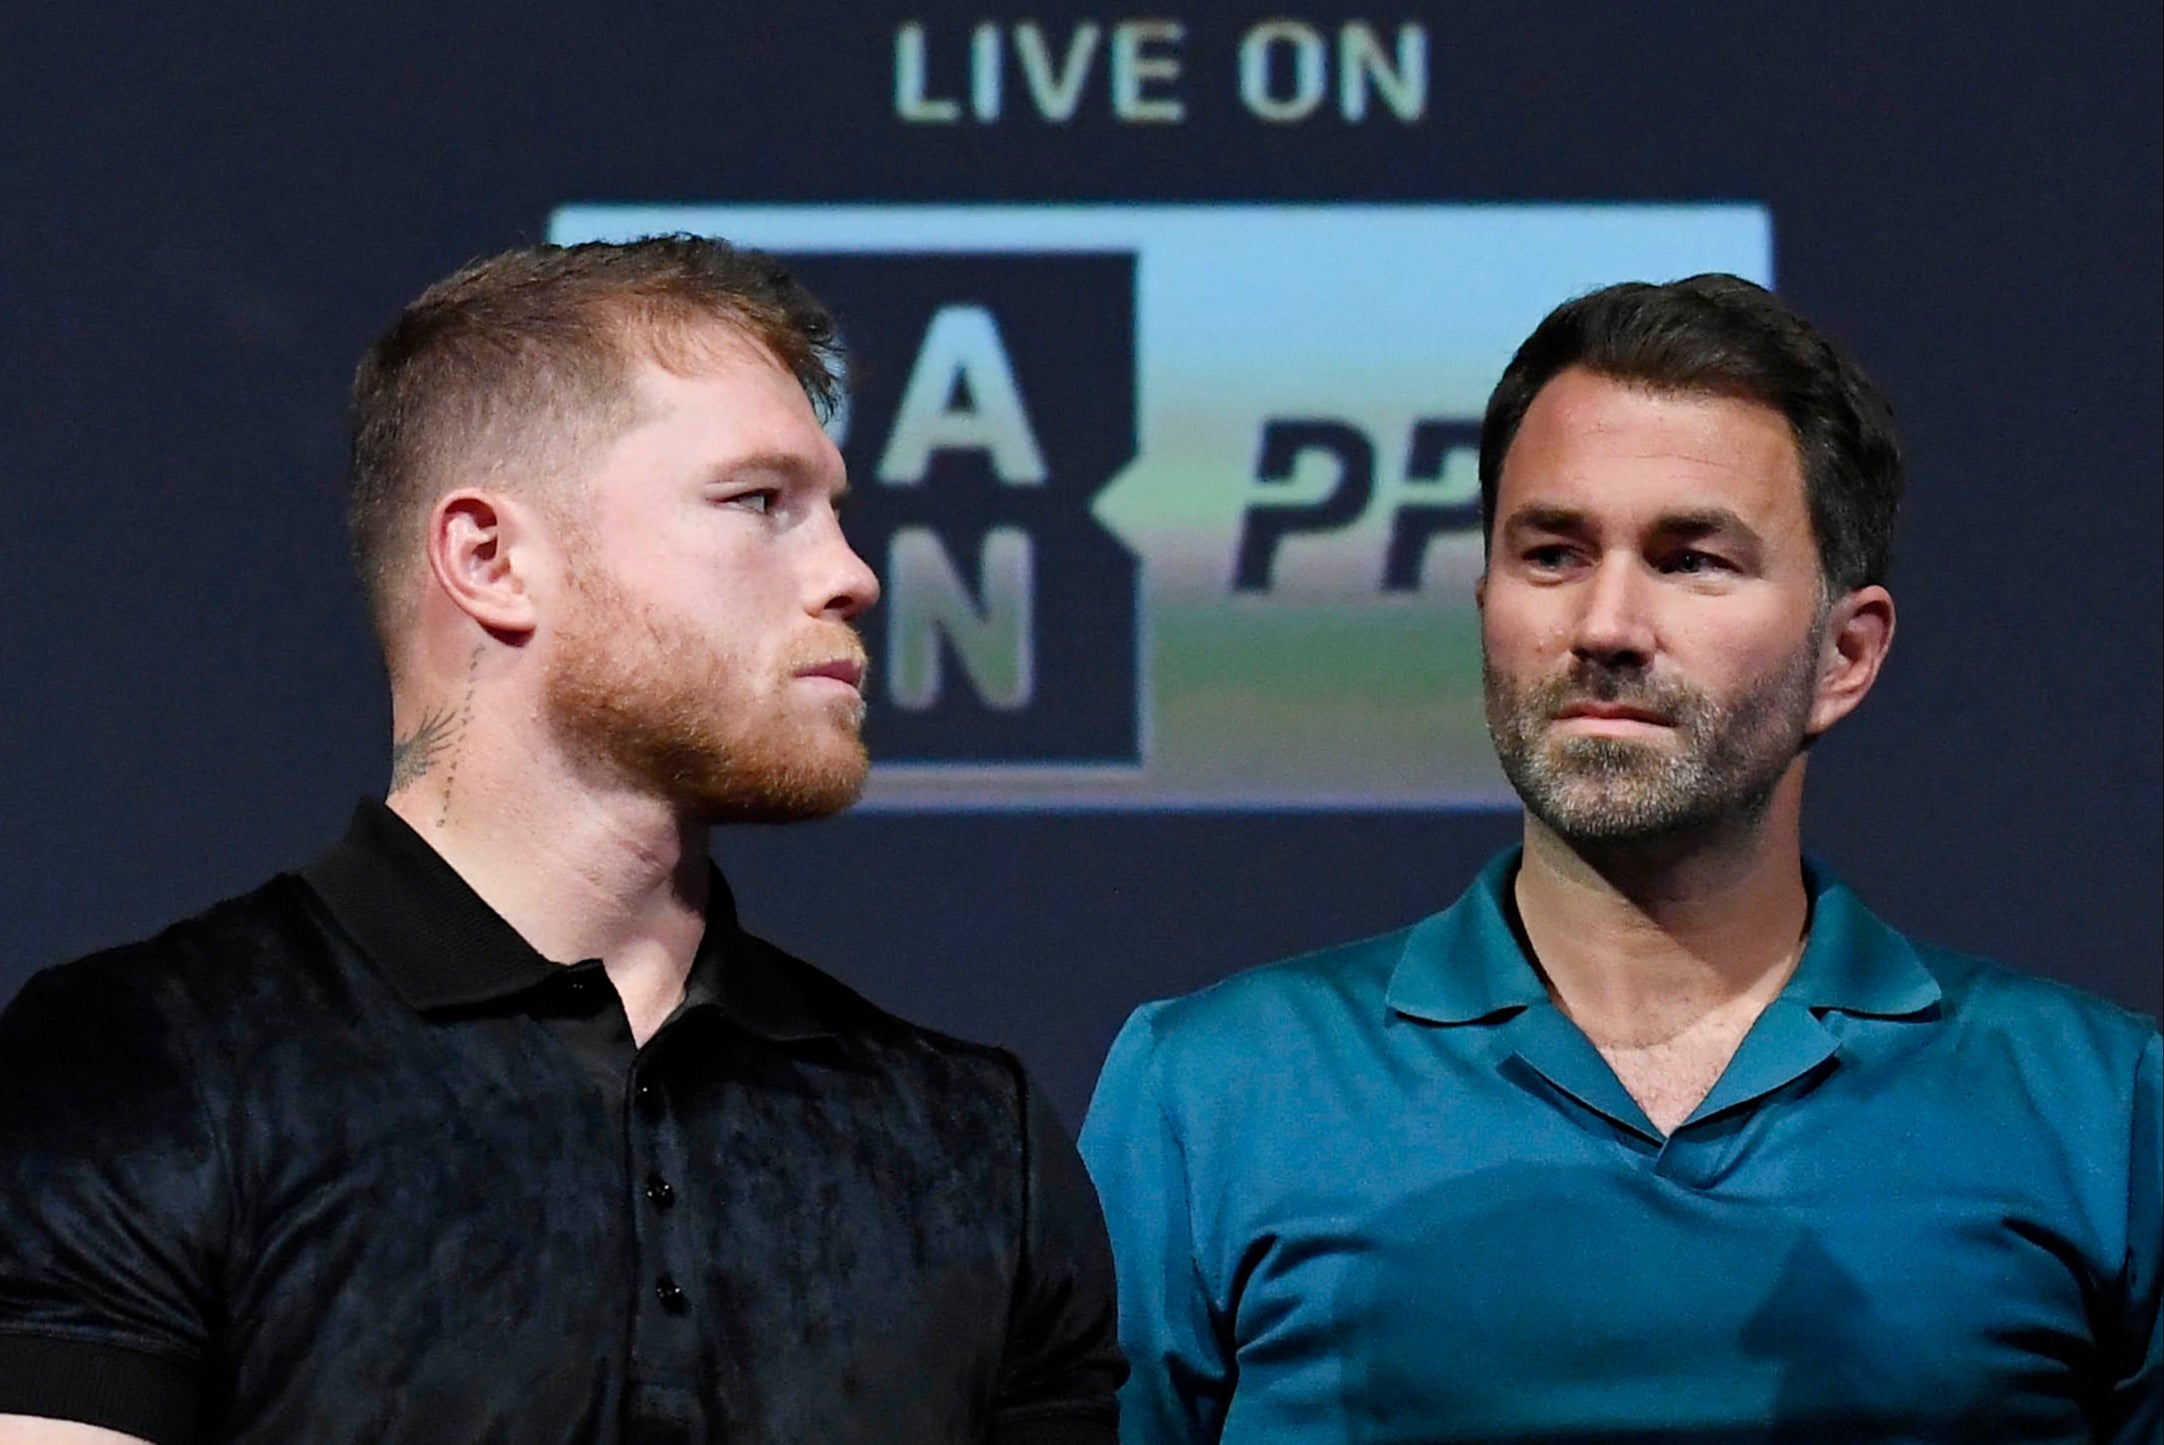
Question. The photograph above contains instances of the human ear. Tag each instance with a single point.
(476, 543)
(1859, 632)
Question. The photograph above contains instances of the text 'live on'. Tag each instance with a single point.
(1286, 71)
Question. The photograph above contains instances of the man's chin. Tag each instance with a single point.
(797, 794)
(1587, 828)
(1627, 812)
(1600, 791)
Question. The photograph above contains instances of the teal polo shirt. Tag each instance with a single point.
(1389, 1193)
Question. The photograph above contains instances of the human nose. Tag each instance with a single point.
(847, 585)
(1614, 624)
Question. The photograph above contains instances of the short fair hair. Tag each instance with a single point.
(1724, 336)
(521, 362)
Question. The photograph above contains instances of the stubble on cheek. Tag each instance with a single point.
(1718, 762)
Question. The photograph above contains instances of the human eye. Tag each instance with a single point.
(1691, 562)
(1547, 556)
(762, 500)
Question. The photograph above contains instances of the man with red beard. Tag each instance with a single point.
(1656, 1135)
(491, 1124)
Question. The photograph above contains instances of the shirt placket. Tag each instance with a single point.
(666, 1311)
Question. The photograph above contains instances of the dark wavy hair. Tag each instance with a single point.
(1721, 335)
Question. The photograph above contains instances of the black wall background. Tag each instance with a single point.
(203, 218)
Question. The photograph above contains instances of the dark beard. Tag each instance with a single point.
(1721, 773)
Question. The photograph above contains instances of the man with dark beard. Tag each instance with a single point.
(1656, 1135)
(491, 1124)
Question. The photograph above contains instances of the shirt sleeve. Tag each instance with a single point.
(112, 1191)
(2134, 1410)
(1182, 1365)
(1061, 1374)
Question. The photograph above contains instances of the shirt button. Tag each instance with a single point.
(658, 1192)
(670, 1294)
(648, 1098)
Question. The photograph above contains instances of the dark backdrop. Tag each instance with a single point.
(202, 221)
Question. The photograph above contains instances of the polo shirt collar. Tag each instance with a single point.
(440, 946)
(1465, 964)
(1853, 963)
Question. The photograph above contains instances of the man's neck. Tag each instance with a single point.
(578, 875)
(1641, 943)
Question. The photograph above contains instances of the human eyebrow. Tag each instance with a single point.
(1553, 521)
(784, 465)
(1705, 524)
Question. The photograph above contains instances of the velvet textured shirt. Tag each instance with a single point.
(1389, 1193)
(345, 1160)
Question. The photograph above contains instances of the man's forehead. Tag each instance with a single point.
(1579, 399)
(724, 374)
(1591, 442)
(736, 410)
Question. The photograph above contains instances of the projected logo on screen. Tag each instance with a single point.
(1177, 506)
(992, 404)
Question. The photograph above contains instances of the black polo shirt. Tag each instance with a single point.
(345, 1160)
